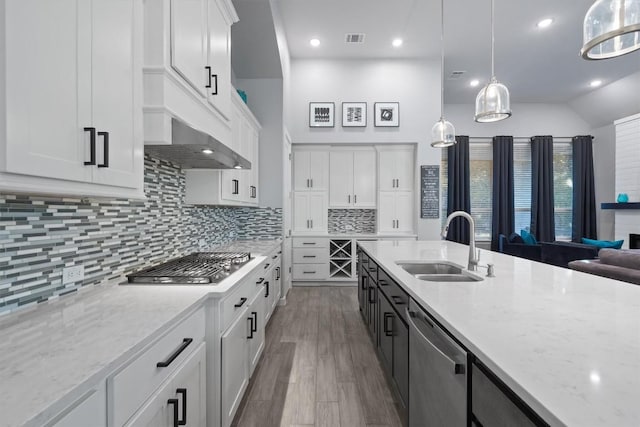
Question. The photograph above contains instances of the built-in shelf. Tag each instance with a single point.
(620, 205)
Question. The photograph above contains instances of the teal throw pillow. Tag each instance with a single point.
(603, 243)
(529, 239)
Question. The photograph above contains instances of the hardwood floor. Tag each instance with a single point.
(319, 367)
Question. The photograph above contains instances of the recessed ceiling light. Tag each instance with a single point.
(314, 42)
(474, 82)
(237, 166)
(545, 23)
(207, 151)
(595, 83)
(397, 42)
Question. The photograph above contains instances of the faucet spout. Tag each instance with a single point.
(473, 260)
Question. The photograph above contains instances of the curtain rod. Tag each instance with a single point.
(527, 138)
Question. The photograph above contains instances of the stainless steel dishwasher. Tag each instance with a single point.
(437, 374)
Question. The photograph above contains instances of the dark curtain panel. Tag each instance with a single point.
(542, 214)
(459, 197)
(503, 217)
(584, 195)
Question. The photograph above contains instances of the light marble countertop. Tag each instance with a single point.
(52, 354)
(357, 235)
(568, 343)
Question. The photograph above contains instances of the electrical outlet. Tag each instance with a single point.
(72, 274)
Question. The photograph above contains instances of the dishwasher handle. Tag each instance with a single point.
(457, 368)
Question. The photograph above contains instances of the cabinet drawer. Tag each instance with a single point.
(310, 271)
(232, 305)
(130, 387)
(309, 242)
(398, 297)
(311, 256)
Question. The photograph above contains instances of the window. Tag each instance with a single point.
(481, 169)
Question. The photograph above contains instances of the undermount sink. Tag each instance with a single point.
(438, 271)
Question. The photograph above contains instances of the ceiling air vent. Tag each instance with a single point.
(455, 75)
(354, 38)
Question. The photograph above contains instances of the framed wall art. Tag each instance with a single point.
(354, 114)
(387, 114)
(321, 114)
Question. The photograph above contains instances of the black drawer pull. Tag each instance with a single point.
(215, 84)
(388, 331)
(308, 243)
(266, 266)
(183, 392)
(308, 256)
(274, 257)
(255, 321)
(308, 272)
(241, 303)
(364, 282)
(278, 273)
(208, 68)
(260, 280)
(235, 186)
(92, 146)
(105, 160)
(170, 359)
(372, 300)
(398, 300)
(174, 402)
(382, 282)
(372, 269)
(266, 294)
(250, 319)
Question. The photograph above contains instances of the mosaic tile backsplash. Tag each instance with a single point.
(352, 221)
(41, 235)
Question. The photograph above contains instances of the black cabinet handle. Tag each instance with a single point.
(382, 282)
(105, 138)
(183, 392)
(308, 243)
(274, 257)
(372, 300)
(388, 331)
(174, 402)
(266, 294)
(278, 273)
(208, 68)
(254, 192)
(398, 300)
(235, 186)
(372, 269)
(215, 79)
(172, 357)
(241, 303)
(255, 321)
(308, 272)
(92, 146)
(260, 280)
(308, 256)
(364, 282)
(250, 319)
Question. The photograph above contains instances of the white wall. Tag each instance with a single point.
(527, 120)
(415, 84)
(264, 98)
(604, 162)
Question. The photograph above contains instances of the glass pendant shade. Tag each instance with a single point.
(611, 28)
(443, 134)
(493, 103)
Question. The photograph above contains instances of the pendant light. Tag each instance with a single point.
(493, 102)
(443, 134)
(611, 28)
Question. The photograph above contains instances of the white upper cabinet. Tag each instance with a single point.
(187, 67)
(71, 118)
(396, 166)
(352, 179)
(310, 170)
(395, 213)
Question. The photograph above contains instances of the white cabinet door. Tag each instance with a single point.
(47, 88)
(189, 42)
(317, 203)
(255, 167)
(300, 212)
(395, 169)
(341, 179)
(386, 212)
(255, 339)
(185, 388)
(310, 170)
(364, 179)
(404, 211)
(387, 170)
(91, 410)
(219, 50)
(235, 366)
(114, 52)
(404, 170)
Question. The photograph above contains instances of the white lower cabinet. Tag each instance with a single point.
(89, 410)
(235, 366)
(255, 339)
(181, 400)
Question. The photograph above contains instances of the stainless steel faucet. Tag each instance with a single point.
(473, 259)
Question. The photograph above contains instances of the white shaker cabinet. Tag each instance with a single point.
(352, 179)
(396, 166)
(310, 211)
(310, 170)
(395, 212)
(72, 111)
(89, 410)
(235, 366)
(255, 339)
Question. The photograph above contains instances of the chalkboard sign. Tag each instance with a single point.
(429, 191)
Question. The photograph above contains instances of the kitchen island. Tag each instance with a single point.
(567, 343)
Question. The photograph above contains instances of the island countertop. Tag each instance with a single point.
(568, 343)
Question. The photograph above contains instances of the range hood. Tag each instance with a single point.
(193, 149)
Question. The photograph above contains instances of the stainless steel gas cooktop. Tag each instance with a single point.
(201, 268)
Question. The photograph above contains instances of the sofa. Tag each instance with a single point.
(618, 264)
(554, 253)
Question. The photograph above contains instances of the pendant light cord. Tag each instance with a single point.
(493, 41)
(442, 59)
